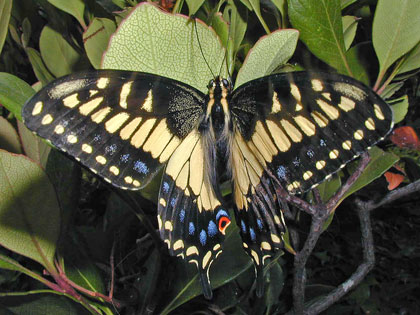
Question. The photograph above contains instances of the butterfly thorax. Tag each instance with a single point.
(217, 117)
(216, 127)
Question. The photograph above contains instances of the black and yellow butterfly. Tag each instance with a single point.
(291, 129)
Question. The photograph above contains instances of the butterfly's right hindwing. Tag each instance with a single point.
(122, 125)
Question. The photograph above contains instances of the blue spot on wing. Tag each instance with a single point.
(173, 201)
(260, 225)
(282, 172)
(140, 167)
(124, 158)
(212, 229)
(110, 149)
(310, 153)
(220, 213)
(182, 215)
(322, 143)
(165, 187)
(191, 228)
(243, 227)
(252, 234)
(203, 237)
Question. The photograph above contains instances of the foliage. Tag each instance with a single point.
(61, 227)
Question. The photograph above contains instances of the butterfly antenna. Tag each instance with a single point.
(201, 49)
(226, 50)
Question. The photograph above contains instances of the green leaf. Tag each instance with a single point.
(80, 269)
(9, 139)
(395, 30)
(40, 303)
(349, 30)
(75, 8)
(268, 53)
(187, 286)
(14, 92)
(170, 50)
(11, 264)
(237, 15)
(320, 25)
(193, 6)
(59, 56)
(328, 188)
(5, 11)
(65, 176)
(38, 66)
(96, 39)
(411, 61)
(380, 162)
(275, 284)
(400, 108)
(29, 212)
(391, 89)
(34, 147)
(358, 70)
(281, 6)
(255, 4)
(346, 3)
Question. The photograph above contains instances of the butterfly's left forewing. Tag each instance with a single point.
(121, 125)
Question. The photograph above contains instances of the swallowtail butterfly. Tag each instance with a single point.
(290, 129)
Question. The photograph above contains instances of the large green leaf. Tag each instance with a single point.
(34, 147)
(59, 56)
(29, 212)
(38, 66)
(349, 29)
(96, 39)
(14, 92)
(412, 60)
(270, 52)
(150, 40)
(74, 7)
(320, 25)
(39, 303)
(193, 6)
(400, 108)
(9, 139)
(395, 30)
(5, 11)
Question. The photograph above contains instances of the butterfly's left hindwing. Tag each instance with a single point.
(122, 125)
(192, 220)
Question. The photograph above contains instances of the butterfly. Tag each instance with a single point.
(290, 130)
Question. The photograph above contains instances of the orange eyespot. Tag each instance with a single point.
(224, 222)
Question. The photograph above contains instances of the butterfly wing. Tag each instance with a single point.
(302, 128)
(192, 219)
(122, 125)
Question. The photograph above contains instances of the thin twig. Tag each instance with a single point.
(357, 277)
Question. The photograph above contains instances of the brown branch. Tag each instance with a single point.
(391, 196)
(357, 277)
(320, 214)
